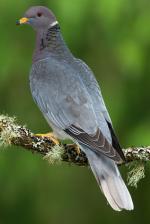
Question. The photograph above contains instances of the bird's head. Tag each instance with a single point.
(39, 17)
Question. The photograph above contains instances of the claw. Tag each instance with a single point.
(78, 149)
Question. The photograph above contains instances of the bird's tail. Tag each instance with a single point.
(110, 181)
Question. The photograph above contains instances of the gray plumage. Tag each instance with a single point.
(70, 99)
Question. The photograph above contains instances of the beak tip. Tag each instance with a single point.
(23, 20)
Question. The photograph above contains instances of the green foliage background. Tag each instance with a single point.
(113, 37)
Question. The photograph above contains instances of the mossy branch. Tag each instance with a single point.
(13, 134)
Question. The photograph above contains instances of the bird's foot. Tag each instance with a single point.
(50, 136)
(76, 147)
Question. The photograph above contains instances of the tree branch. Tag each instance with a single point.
(13, 134)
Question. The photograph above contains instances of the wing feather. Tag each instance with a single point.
(97, 142)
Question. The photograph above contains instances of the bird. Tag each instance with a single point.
(69, 96)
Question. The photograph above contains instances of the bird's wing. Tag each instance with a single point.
(67, 104)
(99, 106)
(93, 89)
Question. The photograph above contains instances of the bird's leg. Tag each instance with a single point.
(50, 136)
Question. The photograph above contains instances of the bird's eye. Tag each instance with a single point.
(39, 14)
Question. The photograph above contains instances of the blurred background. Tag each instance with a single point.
(113, 38)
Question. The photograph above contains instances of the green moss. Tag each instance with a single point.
(8, 130)
(136, 173)
(55, 155)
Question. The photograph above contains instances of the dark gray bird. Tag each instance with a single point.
(70, 99)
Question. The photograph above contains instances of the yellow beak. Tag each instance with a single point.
(22, 21)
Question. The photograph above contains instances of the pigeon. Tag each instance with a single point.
(67, 93)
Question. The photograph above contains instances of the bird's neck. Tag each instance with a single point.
(50, 42)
